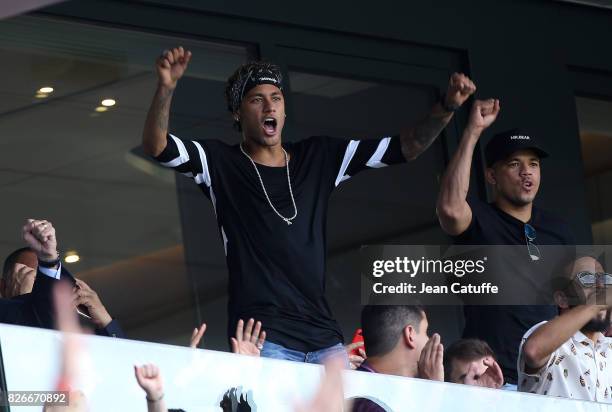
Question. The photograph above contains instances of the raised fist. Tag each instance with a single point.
(40, 236)
(460, 87)
(483, 114)
(171, 65)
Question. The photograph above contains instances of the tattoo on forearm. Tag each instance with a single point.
(160, 109)
(422, 135)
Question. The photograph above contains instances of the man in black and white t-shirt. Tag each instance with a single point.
(270, 198)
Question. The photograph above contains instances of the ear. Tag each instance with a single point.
(237, 115)
(561, 299)
(490, 176)
(409, 335)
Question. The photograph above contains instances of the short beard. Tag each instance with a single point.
(599, 325)
(517, 201)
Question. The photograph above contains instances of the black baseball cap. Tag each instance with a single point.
(505, 143)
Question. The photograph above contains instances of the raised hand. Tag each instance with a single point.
(355, 361)
(431, 361)
(86, 296)
(483, 114)
(485, 372)
(150, 380)
(40, 236)
(171, 65)
(196, 336)
(460, 88)
(248, 341)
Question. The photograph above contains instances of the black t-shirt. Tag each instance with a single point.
(503, 327)
(277, 271)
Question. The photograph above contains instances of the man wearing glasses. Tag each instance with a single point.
(569, 356)
(513, 170)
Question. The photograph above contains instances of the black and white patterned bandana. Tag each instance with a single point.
(267, 74)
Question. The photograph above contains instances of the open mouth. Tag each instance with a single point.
(269, 125)
(527, 185)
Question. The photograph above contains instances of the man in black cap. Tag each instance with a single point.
(513, 169)
(270, 198)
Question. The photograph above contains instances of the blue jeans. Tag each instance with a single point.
(509, 387)
(275, 351)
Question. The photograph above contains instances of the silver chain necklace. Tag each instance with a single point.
(286, 219)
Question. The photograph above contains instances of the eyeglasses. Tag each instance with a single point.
(530, 236)
(590, 279)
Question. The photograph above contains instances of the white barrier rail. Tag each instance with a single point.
(196, 379)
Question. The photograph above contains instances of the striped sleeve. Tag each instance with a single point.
(187, 157)
(350, 157)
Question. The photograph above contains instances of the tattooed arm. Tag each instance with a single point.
(170, 67)
(417, 138)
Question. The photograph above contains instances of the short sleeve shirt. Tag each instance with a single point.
(276, 270)
(578, 369)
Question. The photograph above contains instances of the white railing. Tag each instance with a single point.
(195, 379)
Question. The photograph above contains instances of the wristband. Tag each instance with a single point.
(450, 108)
(50, 263)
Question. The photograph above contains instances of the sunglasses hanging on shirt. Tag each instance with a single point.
(532, 249)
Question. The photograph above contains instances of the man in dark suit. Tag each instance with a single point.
(28, 277)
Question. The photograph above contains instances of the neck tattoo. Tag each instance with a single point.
(287, 220)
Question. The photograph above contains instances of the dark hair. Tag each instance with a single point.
(383, 325)
(11, 259)
(467, 350)
(235, 83)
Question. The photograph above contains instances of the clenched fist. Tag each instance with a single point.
(171, 65)
(40, 236)
(460, 88)
(483, 114)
